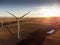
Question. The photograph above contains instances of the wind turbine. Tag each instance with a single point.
(18, 20)
(4, 26)
(2, 22)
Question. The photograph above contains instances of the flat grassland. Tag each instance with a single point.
(33, 30)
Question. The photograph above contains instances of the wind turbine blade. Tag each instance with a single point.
(25, 14)
(8, 30)
(12, 15)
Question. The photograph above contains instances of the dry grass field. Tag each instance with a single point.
(32, 32)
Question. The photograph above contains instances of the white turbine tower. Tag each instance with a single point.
(2, 21)
(18, 20)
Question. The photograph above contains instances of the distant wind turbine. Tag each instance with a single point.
(2, 21)
(3, 26)
(18, 20)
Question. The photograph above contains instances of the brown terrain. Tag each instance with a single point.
(33, 31)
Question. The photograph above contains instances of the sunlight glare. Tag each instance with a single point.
(50, 12)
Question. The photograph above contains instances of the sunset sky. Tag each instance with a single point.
(38, 7)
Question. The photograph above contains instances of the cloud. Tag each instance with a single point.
(28, 2)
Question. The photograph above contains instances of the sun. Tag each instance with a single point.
(50, 12)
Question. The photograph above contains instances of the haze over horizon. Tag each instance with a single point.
(20, 7)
